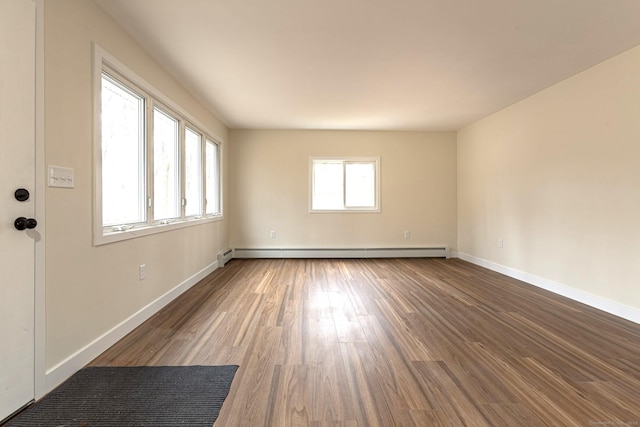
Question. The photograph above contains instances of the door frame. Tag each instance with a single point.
(40, 363)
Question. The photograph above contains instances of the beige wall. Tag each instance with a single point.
(89, 290)
(557, 176)
(269, 189)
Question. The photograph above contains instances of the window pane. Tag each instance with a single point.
(360, 187)
(123, 158)
(193, 173)
(165, 166)
(328, 190)
(212, 178)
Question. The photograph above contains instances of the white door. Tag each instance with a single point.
(17, 170)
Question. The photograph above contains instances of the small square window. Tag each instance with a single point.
(347, 184)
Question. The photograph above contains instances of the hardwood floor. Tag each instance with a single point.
(406, 342)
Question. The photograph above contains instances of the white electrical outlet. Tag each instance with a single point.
(272, 234)
(406, 234)
(500, 243)
(142, 271)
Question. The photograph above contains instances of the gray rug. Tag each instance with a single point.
(134, 396)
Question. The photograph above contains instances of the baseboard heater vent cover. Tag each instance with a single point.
(430, 252)
(224, 257)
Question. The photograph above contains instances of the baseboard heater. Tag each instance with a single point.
(224, 257)
(428, 252)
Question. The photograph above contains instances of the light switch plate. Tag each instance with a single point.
(61, 177)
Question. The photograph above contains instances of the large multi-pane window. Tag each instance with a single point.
(348, 184)
(157, 168)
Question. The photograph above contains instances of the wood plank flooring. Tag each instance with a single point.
(395, 342)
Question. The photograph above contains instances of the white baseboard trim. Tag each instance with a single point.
(612, 307)
(63, 370)
(435, 251)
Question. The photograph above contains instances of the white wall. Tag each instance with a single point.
(557, 177)
(90, 290)
(269, 189)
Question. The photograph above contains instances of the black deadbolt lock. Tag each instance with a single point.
(22, 194)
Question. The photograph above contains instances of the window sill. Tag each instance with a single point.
(102, 237)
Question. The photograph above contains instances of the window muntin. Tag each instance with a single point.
(123, 153)
(142, 213)
(166, 166)
(346, 184)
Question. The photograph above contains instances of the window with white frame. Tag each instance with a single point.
(193, 173)
(212, 178)
(345, 184)
(156, 167)
(123, 154)
(166, 166)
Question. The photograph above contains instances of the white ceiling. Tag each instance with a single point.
(373, 64)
